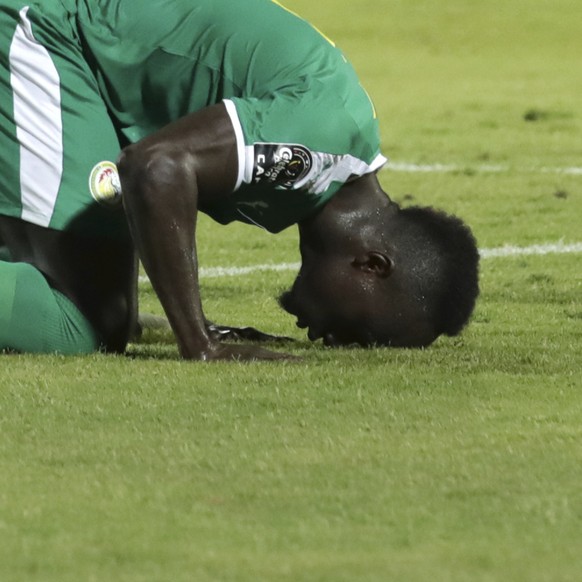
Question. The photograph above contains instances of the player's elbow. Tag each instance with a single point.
(149, 169)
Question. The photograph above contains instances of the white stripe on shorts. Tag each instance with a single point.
(39, 128)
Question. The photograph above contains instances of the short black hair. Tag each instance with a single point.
(443, 260)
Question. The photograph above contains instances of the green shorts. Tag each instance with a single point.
(56, 138)
(34, 318)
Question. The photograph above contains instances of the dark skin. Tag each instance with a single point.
(97, 275)
(347, 262)
(100, 277)
(166, 179)
(351, 288)
(349, 267)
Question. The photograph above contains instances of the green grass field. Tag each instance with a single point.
(462, 462)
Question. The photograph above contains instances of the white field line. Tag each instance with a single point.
(482, 168)
(505, 251)
(558, 248)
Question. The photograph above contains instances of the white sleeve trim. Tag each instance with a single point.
(240, 141)
(326, 168)
(377, 163)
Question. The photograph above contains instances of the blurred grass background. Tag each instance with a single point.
(460, 462)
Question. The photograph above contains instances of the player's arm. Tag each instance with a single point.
(166, 178)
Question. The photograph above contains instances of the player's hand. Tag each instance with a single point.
(239, 352)
(249, 334)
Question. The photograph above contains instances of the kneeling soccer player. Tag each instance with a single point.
(258, 120)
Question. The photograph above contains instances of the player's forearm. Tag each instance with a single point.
(160, 198)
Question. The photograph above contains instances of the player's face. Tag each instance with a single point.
(342, 305)
(333, 303)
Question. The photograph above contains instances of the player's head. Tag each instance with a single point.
(415, 282)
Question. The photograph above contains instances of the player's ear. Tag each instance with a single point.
(374, 262)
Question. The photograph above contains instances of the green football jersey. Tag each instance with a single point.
(304, 123)
(115, 71)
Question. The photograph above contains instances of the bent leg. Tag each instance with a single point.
(59, 208)
(35, 318)
(98, 275)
